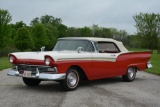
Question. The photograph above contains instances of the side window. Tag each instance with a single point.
(89, 47)
(107, 47)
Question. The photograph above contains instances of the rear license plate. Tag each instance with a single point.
(149, 65)
(27, 74)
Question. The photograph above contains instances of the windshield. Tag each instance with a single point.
(73, 45)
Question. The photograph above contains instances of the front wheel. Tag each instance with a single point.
(130, 74)
(71, 81)
(31, 81)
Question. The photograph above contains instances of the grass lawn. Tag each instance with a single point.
(155, 61)
(4, 63)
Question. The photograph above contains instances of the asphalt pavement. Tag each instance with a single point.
(111, 92)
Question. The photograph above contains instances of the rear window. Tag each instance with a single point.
(107, 47)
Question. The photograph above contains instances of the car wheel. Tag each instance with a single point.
(71, 81)
(31, 82)
(130, 74)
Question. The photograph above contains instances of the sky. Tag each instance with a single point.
(80, 13)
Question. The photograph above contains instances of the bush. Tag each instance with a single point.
(6, 51)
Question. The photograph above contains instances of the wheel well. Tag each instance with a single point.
(136, 68)
(81, 72)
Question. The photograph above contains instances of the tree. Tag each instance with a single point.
(46, 19)
(106, 33)
(62, 31)
(148, 25)
(34, 21)
(135, 41)
(85, 31)
(51, 40)
(51, 23)
(23, 39)
(5, 18)
(39, 36)
(20, 24)
(96, 31)
(73, 32)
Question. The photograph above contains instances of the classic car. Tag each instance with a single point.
(77, 58)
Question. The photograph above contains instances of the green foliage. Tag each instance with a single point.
(45, 31)
(62, 30)
(101, 31)
(20, 24)
(5, 51)
(135, 41)
(73, 32)
(51, 40)
(85, 32)
(23, 39)
(155, 62)
(148, 26)
(53, 29)
(46, 19)
(34, 21)
(39, 36)
(5, 18)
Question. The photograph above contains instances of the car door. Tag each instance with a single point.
(104, 62)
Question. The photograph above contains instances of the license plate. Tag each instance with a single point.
(27, 74)
(149, 65)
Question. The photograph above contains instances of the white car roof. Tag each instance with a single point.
(96, 39)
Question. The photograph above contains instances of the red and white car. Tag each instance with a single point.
(76, 58)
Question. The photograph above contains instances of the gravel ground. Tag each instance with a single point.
(112, 92)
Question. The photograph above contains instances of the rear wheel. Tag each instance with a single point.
(130, 74)
(31, 81)
(71, 81)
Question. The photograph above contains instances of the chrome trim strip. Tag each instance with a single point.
(38, 75)
(95, 49)
(32, 65)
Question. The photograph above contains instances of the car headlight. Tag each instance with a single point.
(11, 59)
(47, 61)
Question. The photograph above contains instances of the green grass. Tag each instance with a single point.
(4, 63)
(155, 61)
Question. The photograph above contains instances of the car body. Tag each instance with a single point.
(77, 58)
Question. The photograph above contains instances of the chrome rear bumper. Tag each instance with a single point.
(38, 75)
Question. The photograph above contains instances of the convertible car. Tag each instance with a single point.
(77, 58)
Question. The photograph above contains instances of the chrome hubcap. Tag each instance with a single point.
(72, 79)
(131, 73)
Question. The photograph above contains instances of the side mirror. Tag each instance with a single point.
(42, 48)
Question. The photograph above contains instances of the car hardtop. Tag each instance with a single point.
(98, 40)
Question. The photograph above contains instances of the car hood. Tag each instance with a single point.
(56, 55)
(29, 55)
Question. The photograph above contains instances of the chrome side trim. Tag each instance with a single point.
(38, 75)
